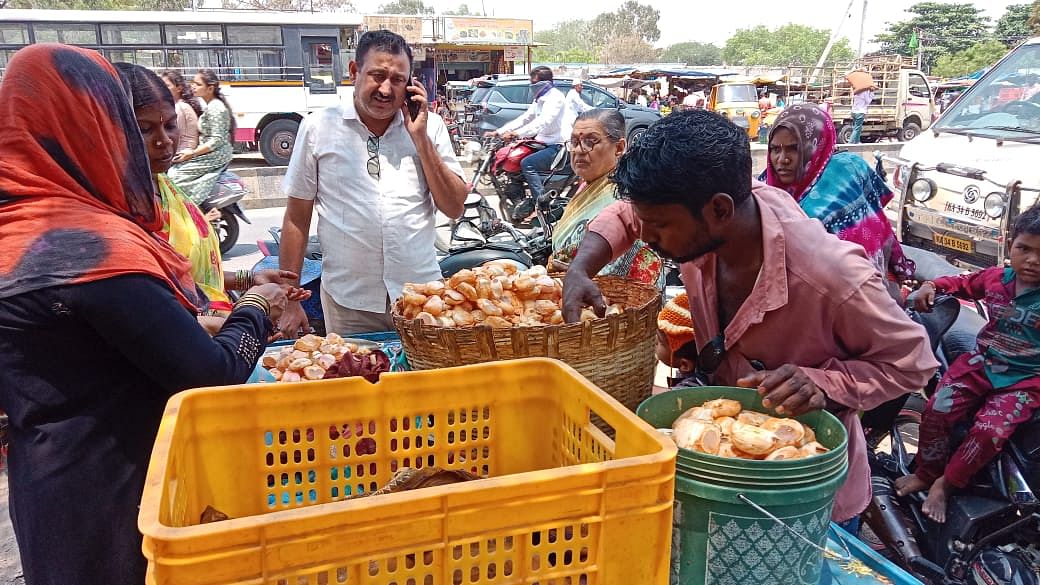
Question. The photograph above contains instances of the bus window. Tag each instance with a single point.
(148, 57)
(256, 64)
(12, 33)
(254, 35)
(319, 67)
(192, 59)
(68, 33)
(194, 34)
(131, 34)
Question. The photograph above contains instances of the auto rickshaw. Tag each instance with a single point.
(738, 102)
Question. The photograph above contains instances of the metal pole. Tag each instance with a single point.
(830, 43)
(862, 26)
(920, 50)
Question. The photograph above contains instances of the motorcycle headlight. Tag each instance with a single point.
(995, 205)
(923, 190)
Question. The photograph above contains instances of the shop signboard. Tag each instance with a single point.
(409, 27)
(514, 54)
(488, 31)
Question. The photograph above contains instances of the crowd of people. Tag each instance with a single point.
(113, 297)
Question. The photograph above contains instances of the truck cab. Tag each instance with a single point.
(739, 103)
(962, 184)
(903, 103)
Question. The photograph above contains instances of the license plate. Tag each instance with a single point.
(959, 244)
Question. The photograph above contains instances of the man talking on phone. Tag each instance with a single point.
(377, 169)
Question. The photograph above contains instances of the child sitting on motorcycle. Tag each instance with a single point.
(676, 347)
(998, 384)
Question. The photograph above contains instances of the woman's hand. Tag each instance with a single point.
(183, 156)
(211, 324)
(277, 296)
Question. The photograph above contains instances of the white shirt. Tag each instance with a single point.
(376, 234)
(861, 101)
(573, 106)
(543, 119)
(641, 100)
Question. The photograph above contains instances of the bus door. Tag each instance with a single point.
(322, 70)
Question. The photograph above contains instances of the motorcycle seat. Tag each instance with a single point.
(929, 264)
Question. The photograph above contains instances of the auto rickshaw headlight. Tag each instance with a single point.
(923, 190)
(755, 113)
(995, 204)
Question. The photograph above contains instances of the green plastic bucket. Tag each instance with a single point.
(741, 521)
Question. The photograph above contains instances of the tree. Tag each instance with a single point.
(628, 49)
(632, 19)
(1014, 25)
(406, 7)
(969, 60)
(693, 53)
(462, 10)
(941, 29)
(791, 44)
(567, 42)
(101, 4)
(293, 5)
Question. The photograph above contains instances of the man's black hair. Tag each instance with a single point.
(385, 41)
(541, 73)
(685, 159)
(1027, 223)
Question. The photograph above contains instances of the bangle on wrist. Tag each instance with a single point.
(254, 300)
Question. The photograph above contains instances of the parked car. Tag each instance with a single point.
(496, 102)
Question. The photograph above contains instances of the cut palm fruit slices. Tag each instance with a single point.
(721, 427)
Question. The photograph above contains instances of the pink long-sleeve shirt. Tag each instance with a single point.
(819, 304)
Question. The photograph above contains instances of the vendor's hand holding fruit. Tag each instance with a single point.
(786, 389)
(580, 291)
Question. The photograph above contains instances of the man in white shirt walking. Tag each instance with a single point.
(543, 121)
(573, 108)
(860, 103)
(376, 176)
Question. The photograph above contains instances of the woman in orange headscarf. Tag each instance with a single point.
(97, 317)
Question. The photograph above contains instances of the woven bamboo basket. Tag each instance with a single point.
(615, 353)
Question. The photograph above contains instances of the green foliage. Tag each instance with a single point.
(622, 36)
(693, 53)
(405, 7)
(1014, 26)
(462, 10)
(567, 42)
(791, 44)
(631, 19)
(945, 28)
(969, 60)
(628, 49)
(299, 5)
(99, 4)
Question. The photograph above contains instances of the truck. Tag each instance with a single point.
(961, 185)
(903, 103)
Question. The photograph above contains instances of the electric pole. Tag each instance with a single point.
(862, 27)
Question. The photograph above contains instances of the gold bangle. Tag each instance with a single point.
(255, 300)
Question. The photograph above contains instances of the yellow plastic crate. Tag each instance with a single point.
(563, 503)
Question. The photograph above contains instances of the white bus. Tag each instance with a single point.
(276, 66)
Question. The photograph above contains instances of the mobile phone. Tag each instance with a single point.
(413, 106)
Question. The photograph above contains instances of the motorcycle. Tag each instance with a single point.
(455, 133)
(992, 531)
(229, 190)
(501, 169)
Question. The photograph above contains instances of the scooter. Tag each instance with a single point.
(992, 532)
(229, 190)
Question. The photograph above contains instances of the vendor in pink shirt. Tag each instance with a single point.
(778, 303)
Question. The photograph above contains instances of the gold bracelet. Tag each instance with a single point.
(252, 304)
(255, 300)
